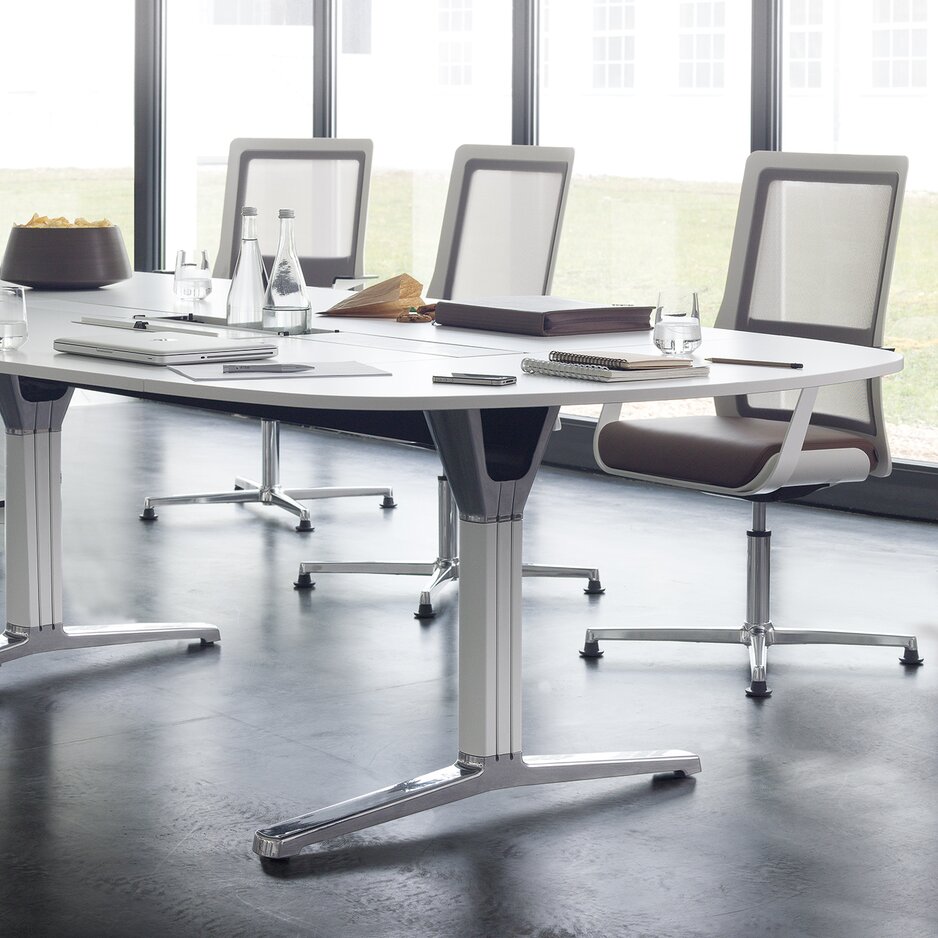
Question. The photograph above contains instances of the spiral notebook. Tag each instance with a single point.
(622, 361)
(539, 366)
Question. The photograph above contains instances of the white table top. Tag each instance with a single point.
(413, 353)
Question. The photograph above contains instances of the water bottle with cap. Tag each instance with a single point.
(286, 305)
(249, 278)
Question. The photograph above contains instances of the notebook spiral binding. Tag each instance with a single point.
(586, 370)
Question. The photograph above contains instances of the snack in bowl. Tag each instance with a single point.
(54, 253)
(43, 221)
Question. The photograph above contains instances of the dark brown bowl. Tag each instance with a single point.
(65, 258)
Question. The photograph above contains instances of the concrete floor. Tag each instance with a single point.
(132, 778)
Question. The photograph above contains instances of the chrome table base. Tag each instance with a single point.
(18, 642)
(443, 570)
(757, 633)
(474, 446)
(33, 412)
(467, 776)
(268, 491)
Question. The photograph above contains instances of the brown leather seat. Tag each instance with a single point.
(724, 451)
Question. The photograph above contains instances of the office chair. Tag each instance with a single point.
(501, 229)
(327, 180)
(812, 256)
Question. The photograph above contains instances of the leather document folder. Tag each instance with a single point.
(541, 315)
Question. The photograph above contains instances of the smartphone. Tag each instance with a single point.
(468, 378)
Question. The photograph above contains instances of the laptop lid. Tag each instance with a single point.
(165, 348)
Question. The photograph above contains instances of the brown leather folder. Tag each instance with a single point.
(541, 315)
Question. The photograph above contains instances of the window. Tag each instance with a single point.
(417, 116)
(613, 44)
(656, 175)
(900, 41)
(67, 146)
(455, 42)
(701, 45)
(805, 43)
(844, 117)
(260, 84)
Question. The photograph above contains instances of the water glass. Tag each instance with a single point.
(13, 331)
(677, 322)
(193, 279)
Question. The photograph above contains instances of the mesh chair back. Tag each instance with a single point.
(325, 180)
(502, 221)
(812, 256)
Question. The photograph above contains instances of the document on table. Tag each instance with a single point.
(216, 372)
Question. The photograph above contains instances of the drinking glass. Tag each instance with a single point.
(13, 331)
(677, 322)
(193, 279)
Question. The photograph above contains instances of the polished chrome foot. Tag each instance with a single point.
(469, 775)
(18, 642)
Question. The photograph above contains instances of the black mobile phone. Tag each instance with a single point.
(468, 378)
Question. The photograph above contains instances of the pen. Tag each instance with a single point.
(749, 361)
(272, 367)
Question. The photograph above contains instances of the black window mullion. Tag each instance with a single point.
(766, 112)
(324, 68)
(149, 134)
(525, 50)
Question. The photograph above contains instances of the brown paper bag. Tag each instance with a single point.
(385, 300)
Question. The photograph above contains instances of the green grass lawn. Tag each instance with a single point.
(622, 239)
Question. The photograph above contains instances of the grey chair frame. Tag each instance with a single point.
(791, 472)
(468, 159)
(318, 272)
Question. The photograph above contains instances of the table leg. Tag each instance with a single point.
(33, 412)
(490, 458)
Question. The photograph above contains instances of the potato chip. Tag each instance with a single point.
(43, 221)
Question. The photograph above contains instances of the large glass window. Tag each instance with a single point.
(657, 170)
(436, 74)
(878, 95)
(67, 100)
(234, 68)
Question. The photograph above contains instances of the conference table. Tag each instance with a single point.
(490, 440)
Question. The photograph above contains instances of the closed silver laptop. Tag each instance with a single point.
(165, 348)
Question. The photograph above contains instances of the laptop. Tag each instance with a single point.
(166, 348)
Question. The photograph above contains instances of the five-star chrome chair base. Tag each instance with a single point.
(757, 633)
(443, 570)
(268, 491)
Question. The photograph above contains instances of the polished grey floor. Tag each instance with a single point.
(132, 778)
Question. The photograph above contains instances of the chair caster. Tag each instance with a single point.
(911, 658)
(305, 526)
(148, 514)
(758, 689)
(388, 502)
(594, 588)
(591, 650)
(425, 611)
(304, 582)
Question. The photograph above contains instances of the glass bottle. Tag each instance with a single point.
(286, 305)
(249, 278)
